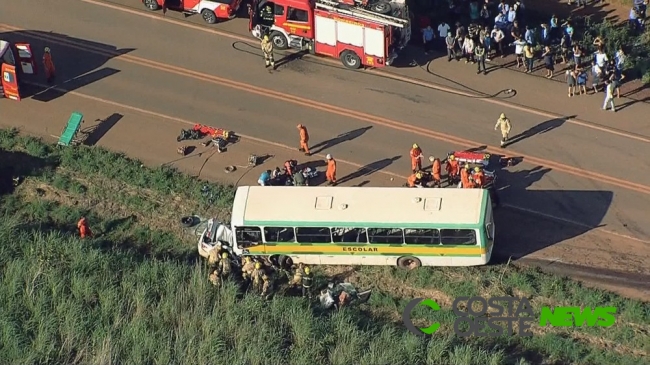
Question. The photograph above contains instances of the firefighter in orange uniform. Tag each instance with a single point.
(452, 169)
(331, 170)
(478, 177)
(304, 139)
(48, 65)
(416, 158)
(436, 168)
(84, 230)
(415, 179)
(464, 178)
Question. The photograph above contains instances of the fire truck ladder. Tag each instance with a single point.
(361, 13)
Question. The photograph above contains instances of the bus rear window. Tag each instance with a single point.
(457, 237)
(313, 235)
(349, 235)
(422, 236)
(279, 234)
(386, 235)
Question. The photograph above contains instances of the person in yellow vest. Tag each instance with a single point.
(267, 49)
(307, 279)
(247, 268)
(256, 277)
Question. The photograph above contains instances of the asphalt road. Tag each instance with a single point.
(580, 195)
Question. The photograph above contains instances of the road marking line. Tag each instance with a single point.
(415, 81)
(313, 104)
(282, 146)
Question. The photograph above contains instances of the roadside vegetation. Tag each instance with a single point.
(138, 292)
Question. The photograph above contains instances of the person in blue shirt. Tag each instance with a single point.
(546, 35)
(427, 38)
(265, 178)
(555, 27)
(529, 36)
(568, 29)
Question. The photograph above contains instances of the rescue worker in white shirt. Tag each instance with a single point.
(267, 49)
(504, 124)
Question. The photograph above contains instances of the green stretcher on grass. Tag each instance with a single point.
(71, 129)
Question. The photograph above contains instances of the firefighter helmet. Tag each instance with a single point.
(224, 255)
(451, 157)
(299, 126)
(431, 158)
(503, 116)
(418, 175)
(415, 145)
(47, 50)
(307, 270)
(467, 166)
(329, 157)
(266, 37)
(477, 169)
(258, 265)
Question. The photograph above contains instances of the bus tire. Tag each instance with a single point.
(285, 262)
(279, 40)
(408, 262)
(208, 16)
(350, 60)
(151, 5)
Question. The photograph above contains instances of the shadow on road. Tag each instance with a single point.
(541, 128)
(530, 220)
(344, 137)
(96, 132)
(369, 169)
(77, 62)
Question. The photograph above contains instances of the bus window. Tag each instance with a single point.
(248, 236)
(386, 235)
(422, 236)
(313, 235)
(349, 235)
(457, 237)
(279, 234)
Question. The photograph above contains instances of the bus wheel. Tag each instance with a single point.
(285, 262)
(408, 262)
(209, 16)
(350, 60)
(279, 40)
(151, 4)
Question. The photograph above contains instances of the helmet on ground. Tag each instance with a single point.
(307, 270)
(299, 126)
(224, 255)
(258, 265)
(415, 145)
(477, 169)
(329, 157)
(47, 50)
(431, 158)
(503, 116)
(418, 175)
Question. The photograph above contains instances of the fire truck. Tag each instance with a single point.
(16, 60)
(359, 32)
(210, 10)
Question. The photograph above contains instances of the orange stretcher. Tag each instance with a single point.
(213, 132)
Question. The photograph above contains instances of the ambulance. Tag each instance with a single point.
(16, 60)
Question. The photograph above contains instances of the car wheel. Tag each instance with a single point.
(279, 40)
(209, 16)
(151, 5)
(350, 60)
(409, 262)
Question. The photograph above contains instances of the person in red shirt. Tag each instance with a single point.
(478, 177)
(84, 230)
(436, 169)
(331, 170)
(452, 170)
(416, 158)
(465, 181)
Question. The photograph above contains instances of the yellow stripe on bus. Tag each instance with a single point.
(367, 250)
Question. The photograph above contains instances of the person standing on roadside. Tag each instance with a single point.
(267, 49)
(503, 123)
(330, 174)
(427, 39)
(443, 30)
(609, 96)
(548, 61)
(450, 42)
(498, 36)
(479, 55)
(529, 57)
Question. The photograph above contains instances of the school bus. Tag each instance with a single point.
(405, 227)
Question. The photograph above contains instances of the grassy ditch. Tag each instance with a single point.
(137, 294)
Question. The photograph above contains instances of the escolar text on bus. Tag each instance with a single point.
(360, 249)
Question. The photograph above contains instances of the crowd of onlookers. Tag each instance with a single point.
(498, 29)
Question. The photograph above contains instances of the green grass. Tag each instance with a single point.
(137, 294)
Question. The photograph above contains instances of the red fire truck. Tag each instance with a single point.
(16, 60)
(358, 32)
(210, 10)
